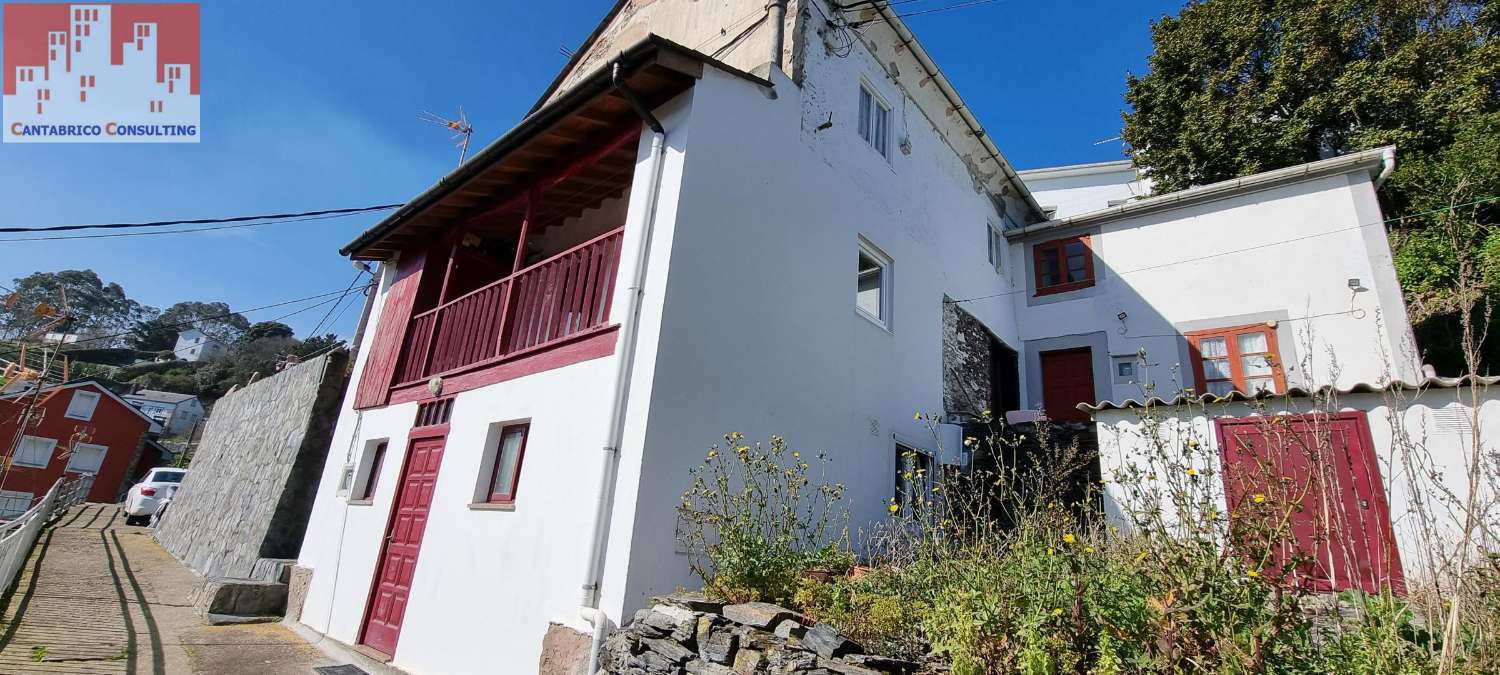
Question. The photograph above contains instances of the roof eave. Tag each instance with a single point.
(1370, 161)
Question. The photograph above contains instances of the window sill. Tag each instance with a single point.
(871, 318)
(361, 502)
(1064, 288)
(19, 465)
(492, 506)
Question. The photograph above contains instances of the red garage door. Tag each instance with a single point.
(1067, 380)
(1319, 473)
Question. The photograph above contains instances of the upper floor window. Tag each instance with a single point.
(874, 121)
(82, 406)
(1063, 264)
(873, 295)
(1241, 358)
(995, 244)
(35, 451)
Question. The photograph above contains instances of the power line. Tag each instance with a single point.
(186, 231)
(357, 274)
(1280, 242)
(229, 314)
(934, 10)
(202, 221)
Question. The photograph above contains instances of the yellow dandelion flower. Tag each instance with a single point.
(1260, 498)
(1252, 574)
(1088, 549)
(796, 454)
(1192, 472)
(1069, 538)
(894, 508)
(1057, 611)
(713, 453)
(984, 413)
(1141, 557)
(917, 417)
(1050, 551)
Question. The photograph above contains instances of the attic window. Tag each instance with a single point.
(874, 121)
(82, 406)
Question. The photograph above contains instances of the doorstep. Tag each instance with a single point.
(365, 658)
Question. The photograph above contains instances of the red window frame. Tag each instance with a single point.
(372, 479)
(506, 494)
(1060, 246)
(1231, 337)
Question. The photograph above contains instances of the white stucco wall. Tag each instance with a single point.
(1284, 254)
(1422, 442)
(488, 582)
(1072, 190)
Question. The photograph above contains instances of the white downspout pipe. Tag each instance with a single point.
(776, 13)
(1388, 165)
(638, 247)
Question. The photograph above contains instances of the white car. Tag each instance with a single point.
(145, 497)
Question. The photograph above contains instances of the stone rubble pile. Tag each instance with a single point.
(689, 633)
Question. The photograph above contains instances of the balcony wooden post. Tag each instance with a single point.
(509, 293)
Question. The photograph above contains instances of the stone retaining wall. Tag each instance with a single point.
(688, 633)
(250, 487)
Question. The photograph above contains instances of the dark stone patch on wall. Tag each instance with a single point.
(967, 366)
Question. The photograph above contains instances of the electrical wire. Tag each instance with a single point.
(184, 231)
(357, 274)
(1257, 247)
(949, 8)
(202, 221)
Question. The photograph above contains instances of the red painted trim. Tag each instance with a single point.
(631, 132)
(433, 431)
(1232, 354)
(1062, 264)
(583, 346)
(364, 621)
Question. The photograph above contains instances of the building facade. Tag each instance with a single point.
(195, 345)
(814, 241)
(80, 428)
(174, 413)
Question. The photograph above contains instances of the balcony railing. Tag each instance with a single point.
(550, 301)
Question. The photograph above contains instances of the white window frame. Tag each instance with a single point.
(874, 120)
(887, 272)
(51, 444)
(997, 247)
(75, 413)
(9, 502)
(73, 457)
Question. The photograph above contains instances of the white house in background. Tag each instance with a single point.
(813, 239)
(1065, 191)
(195, 345)
(175, 413)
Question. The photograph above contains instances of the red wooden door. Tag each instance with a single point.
(1067, 380)
(1320, 473)
(403, 541)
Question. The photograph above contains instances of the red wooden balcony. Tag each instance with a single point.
(554, 300)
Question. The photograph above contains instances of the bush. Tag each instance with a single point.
(755, 522)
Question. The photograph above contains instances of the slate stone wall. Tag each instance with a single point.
(688, 633)
(966, 362)
(252, 481)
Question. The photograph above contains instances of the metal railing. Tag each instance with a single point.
(19, 535)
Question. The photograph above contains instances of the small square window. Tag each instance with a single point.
(1125, 369)
(504, 473)
(86, 458)
(874, 121)
(35, 452)
(873, 288)
(369, 470)
(14, 503)
(82, 406)
(1063, 265)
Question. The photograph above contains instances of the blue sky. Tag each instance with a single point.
(313, 105)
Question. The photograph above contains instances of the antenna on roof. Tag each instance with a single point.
(1110, 139)
(563, 49)
(461, 128)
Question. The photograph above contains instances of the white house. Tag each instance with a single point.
(807, 235)
(175, 413)
(195, 345)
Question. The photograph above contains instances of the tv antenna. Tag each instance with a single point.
(460, 127)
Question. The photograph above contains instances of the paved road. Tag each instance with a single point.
(101, 597)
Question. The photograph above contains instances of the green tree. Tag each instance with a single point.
(267, 329)
(215, 319)
(97, 308)
(153, 335)
(1242, 86)
(317, 344)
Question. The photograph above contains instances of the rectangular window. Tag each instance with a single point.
(1061, 265)
(1242, 358)
(506, 473)
(82, 406)
(87, 458)
(874, 120)
(372, 473)
(914, 477)
(14, 503)
(995, 244)
(35, 452)
(873, 291)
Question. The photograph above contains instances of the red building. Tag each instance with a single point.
(79, 428)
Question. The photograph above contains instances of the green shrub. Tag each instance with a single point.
(755, 521)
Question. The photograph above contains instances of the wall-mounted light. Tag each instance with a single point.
(1356, 286)
(1121, 316)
